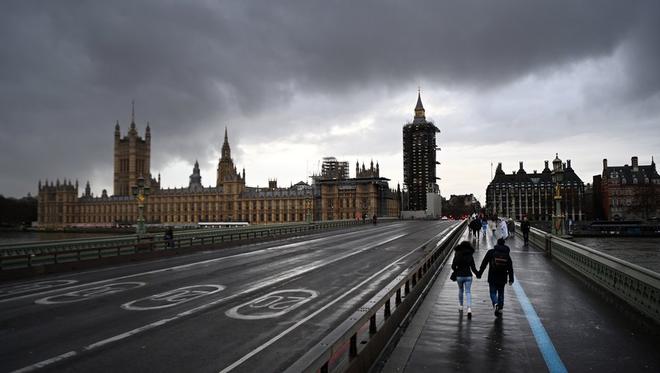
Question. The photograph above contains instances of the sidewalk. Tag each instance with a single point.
(586, 331)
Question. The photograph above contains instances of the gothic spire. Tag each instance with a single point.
(420, 113)
(226, 150)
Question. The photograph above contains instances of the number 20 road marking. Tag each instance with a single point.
(172, 297)
(34, 287)
(89, 293)
(273, 304)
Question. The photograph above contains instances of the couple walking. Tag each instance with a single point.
(500, 267)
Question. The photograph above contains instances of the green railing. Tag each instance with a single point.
(62, 251)
(356, 343)
(637, 286)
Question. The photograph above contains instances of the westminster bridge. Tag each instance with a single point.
(335, 297)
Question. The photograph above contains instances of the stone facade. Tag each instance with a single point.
(132, 158)
(365, 195)
(230, 200)
(629, 192)
(519, 193)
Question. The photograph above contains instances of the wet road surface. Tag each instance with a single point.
(251, 308)
(587, 331)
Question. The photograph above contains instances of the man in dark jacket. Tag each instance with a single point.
(500, 267)
(475, 226)
(524, 227)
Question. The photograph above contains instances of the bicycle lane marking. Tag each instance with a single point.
(543, 341)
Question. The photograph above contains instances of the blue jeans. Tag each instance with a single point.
(496, 294)
(464, 282)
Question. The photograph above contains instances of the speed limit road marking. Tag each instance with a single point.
(89, 293)
(172, 298)
(274, 304)
(34, 287)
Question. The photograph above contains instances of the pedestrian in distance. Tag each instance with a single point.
(492, 225)
(500, 267)
(502, 229)
(524, 228)
(169, 237)
(475, 226)
(374, 219)
(484, 225)
(463, 267)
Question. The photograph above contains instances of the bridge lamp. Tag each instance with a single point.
(558, 178)
(140, 191)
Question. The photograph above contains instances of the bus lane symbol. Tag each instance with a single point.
(172, 298)
(34, 287)
(89, 293)
(273, 304)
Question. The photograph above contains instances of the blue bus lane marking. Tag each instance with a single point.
(550, 355)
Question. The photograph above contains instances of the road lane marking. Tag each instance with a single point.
(172, 298)
(259, 285)
(34, 286)
(296, 325)
(89, 293)
(273, 304)
(184, 266)
(550, 355)
(202, 307)
(45, 363)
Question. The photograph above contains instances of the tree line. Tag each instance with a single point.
(17, 211)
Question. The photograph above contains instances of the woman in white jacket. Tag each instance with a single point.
(492, 225)
(503, 230)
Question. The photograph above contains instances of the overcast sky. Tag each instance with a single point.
(294, 81)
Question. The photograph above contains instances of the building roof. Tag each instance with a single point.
(521, 176)
(643, 175)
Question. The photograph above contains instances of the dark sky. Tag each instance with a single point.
(294, 81)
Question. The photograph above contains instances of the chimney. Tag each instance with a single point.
(604, 164)
(635, 164)
(546, 164)
(521, 165)
(568, 163)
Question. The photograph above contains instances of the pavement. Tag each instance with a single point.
(552, 321)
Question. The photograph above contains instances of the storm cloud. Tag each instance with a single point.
(319, 78)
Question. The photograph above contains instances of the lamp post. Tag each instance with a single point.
(140, 191)
(308, 208)
(557, 178)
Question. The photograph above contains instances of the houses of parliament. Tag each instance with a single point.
(331, 196)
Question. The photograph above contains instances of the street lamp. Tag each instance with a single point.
(308, 208)
(557, 178)
(140, 192)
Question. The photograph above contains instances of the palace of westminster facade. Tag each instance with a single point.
(331, 196)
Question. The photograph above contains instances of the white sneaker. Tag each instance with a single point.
(460, 308)
(469, 313)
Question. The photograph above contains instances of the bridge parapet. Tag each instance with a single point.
(19, 256)
(637, 286)
(355, 344)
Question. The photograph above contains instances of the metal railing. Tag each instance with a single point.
(637, 286)
(48, 253)
(357, 342)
